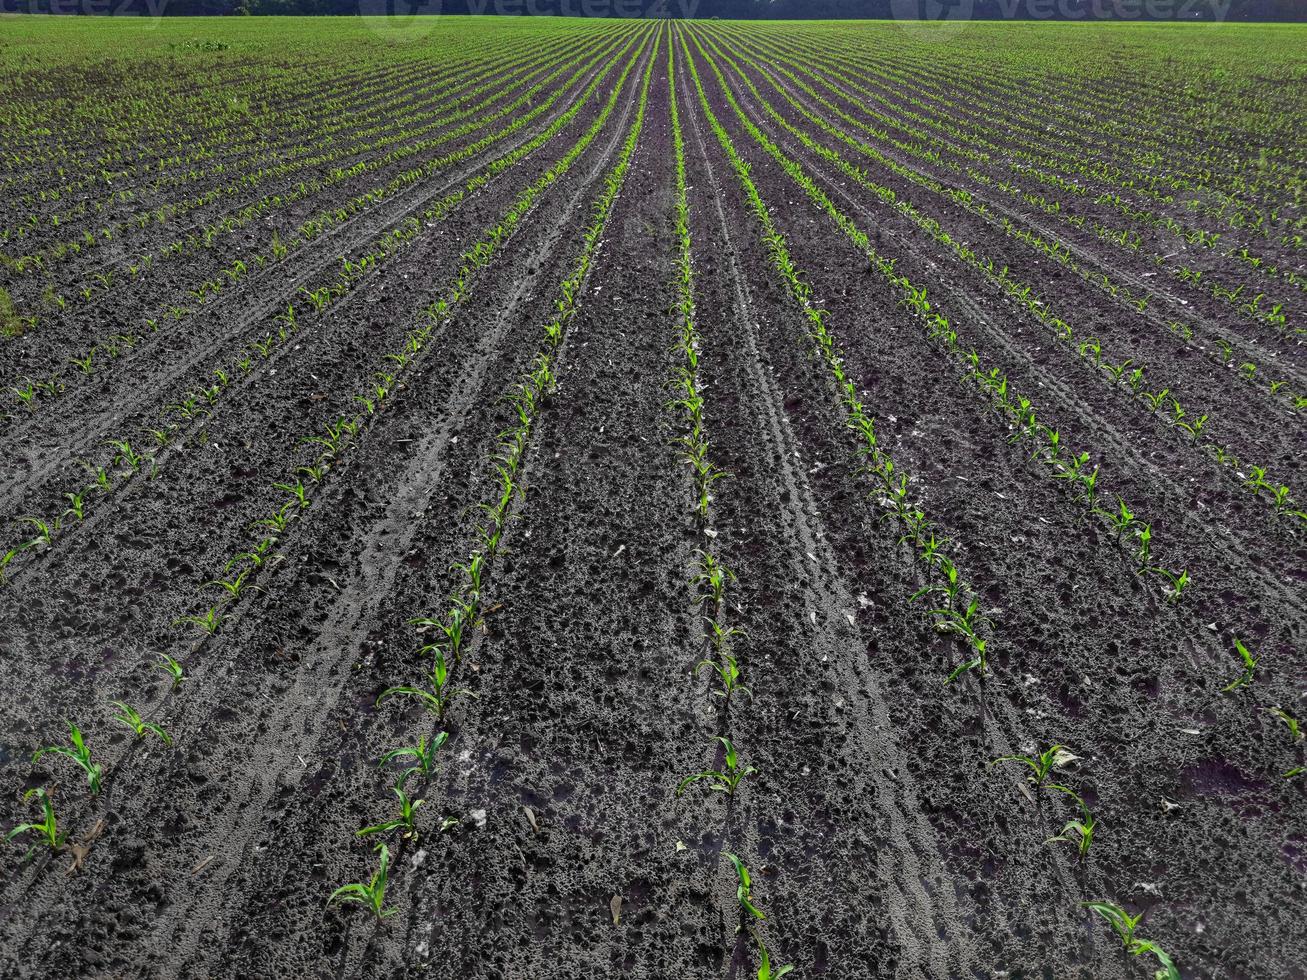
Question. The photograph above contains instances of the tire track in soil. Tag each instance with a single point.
(330, 358)
(909, 873)
(964, 756)
(1191, 538)
(299, 704)
(1084, 253)
(1130, 734)
(160, 368)
(1233, 417)
(585, 620)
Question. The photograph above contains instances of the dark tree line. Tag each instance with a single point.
(1233, 10)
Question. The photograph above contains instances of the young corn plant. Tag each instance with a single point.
(47, 831)
(440, 693)
(711, 579)
(373, 893)
(207, 623)
(422, 754)
(765, 971)
(744, 890)
(78, 754)
(130, 717)
(1079, 833)
(1041, 765)
(404, 821)
(1125, 926)
(173, 668)
(1290, 722)
(723, 780)
(728, 672)
(1249, 668)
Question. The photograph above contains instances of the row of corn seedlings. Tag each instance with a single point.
(443, 637)
(391, 147)
(1077, 832)
(193, 405)
(712, 578)
(29, 391)
(1073, 469)
(240, 573)
(498, 86)
(1272, 313)
(1031, 153)
(957, 611)
(1162, 404)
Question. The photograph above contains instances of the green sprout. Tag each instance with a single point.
(1079, 833)
(1176, 583)
(1290, 722)
(407, 808)
(172, 668)
(1041, 765)
(1125, 926)
(1249, 666)
(207, 623)
(79, 754)
(744, 889)
(373, 894)
(130, 717)
(765, 971)
(423, 754)
(437, 699)
(728, 672)
(712, 579)
(724, 780)
(47, 830)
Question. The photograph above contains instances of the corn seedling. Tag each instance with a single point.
(1249, 667)
(76, 505)
(172, 668)
(130, 717)
(728, 671)
(78, 754)
(260, 553)
(47, 830)
(712, 578)
(1041, 765)
(1176, 583)
(1290, 722)
(1077, 832)
(441, 693)
(206, 623)
(125, 453)
(765, 971)
(1125, 926)
(407, 808)
(422, 753)
(44, 531)
(372, 894)
(297, 492)
(724, 780)
(233, 586)
(744, 889)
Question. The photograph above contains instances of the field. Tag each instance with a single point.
(426, 447)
